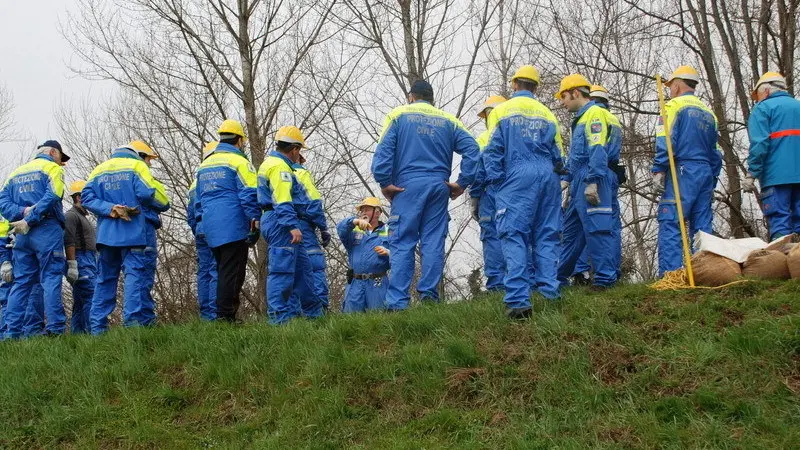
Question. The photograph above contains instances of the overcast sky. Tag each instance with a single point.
(35, 59)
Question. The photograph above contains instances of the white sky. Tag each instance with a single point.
(34, 68)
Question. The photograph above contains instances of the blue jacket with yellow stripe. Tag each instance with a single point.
(418, 141)
(280, 191)
(479, 185)
(596, 142)
(524, 138)
(38, 183)
(693, 129)
(360, 246)
(226, 196)
(191, 208)
(310, 208)
(774, 129)
(125, 180)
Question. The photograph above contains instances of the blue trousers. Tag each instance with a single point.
(33, 324)
(316, 255)
(138, 265)
(494, 266)
(206, 279)
(419, 215)
(83, 291)
(590, 228)
(38, 255)
(529, 214)
(290, 286)
(365, 295)
(697, 192)
(781, 207)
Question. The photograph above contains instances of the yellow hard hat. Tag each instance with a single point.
(598, 91)
(769, 77)
(527, 72)
(230, 126)
(141, 147)
(76, 187)
(491, 103)
(209, 148)
(375, 202)
(683, 73)
(573, 81)
(290, 134)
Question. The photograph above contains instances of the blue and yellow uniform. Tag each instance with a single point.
(290, 288)
(774, 159)
(38, 255)
(595, 145)
(494, 266)
(415, 152)
(128, 246)
(367, 290)
(206, 264)
(312, 217)
(693, 129)
(523, 153)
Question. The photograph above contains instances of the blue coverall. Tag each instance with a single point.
(494, 266)
(206, 264)
(415, 152)
(38, 255)
(129, 246)
(290, 286)
(693, 129)
(83, 292)
(774, 159)
(33, 324)
(370, 293)
(520, 160)
(5, 256)
(312, 217)
(595, 144)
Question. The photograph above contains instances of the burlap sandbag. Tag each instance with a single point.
(793, 261)
(712, 270)
(768, 264)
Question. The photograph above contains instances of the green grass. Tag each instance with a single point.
(626, 368)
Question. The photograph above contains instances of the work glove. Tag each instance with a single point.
(72, 271)
(252, 237)
(120, 212)
(591, 194)
(20, 227)
(564, 195)
(475, 206)
(564, 185)
(749, 184)
(7, 272)
(560, 169)
(381, 250)
(325, 237)
(657, 184)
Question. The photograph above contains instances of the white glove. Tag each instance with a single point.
(20, 227)
(657, 185)
(381, 250)
(591, 194)
(475, 205)
(72, 271)
(749, 184)
(564, 185)
(7, 272)
(564, 196)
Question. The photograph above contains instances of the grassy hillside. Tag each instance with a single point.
(626, 368)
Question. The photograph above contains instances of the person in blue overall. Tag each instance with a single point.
(206, 264)
(312, 218)
(523, 162)
(127, 200)
(80, 245)
(290, 283)
(365, 238)
(31, 200)
(589, 220)
(693, 129)
(483, 210)
(774, 129)
(412, 164)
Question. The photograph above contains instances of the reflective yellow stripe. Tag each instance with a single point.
(674, 106)
(235, 162)
(138, 167)
(54, 172)
(596, 125)
(527, 107)
(3, 227)
(421, 108)
(483, 139)
(307, 181)
(279, 175)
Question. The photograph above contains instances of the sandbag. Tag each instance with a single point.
(793, 261)
(714, 270)
(767, 264)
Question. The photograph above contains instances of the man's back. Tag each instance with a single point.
(39, 180)
(693, 129)
(774, 129)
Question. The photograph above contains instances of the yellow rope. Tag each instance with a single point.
(677, 279)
